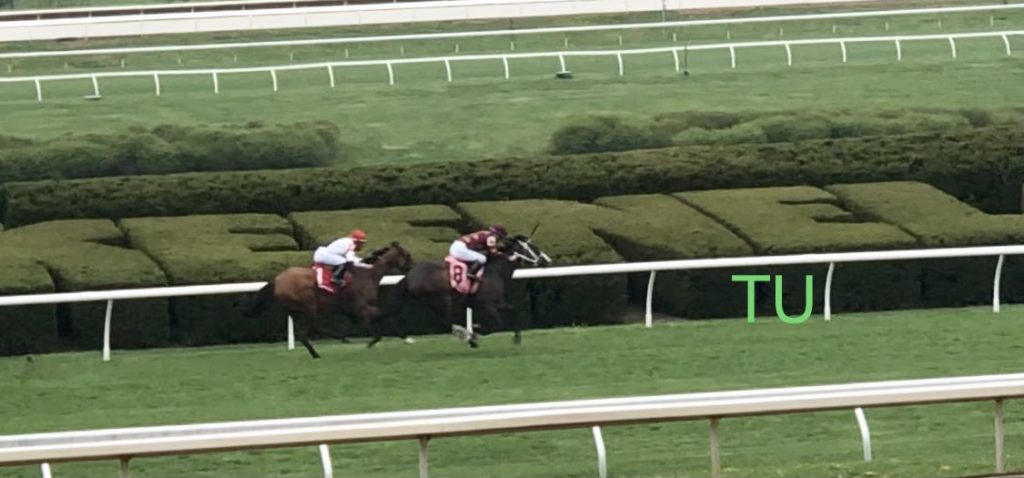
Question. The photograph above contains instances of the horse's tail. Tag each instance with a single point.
(255, 306)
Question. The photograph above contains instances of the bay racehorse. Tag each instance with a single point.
(297, 291)
(429, 283)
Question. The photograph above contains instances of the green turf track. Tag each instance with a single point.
(424, 118)
(77, 391)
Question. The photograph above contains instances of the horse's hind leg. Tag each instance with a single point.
(309, 346)
(302, 331)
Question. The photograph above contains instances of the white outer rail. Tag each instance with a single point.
(447, 60)
(496, 33)
(424, 425)
(151, 9)
(389, 13)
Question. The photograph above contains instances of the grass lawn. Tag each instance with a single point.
(78, 391)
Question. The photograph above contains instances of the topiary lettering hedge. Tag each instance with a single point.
(983, 167)
(79, 255)
(142, 252)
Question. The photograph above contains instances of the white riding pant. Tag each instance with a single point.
(323, 256)
(462, 252)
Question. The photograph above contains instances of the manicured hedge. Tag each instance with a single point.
(216, 250)
(982, 166)
(96, 254)
(793, 220)
(87, 255)
(936, 219)
(171, 149)
(26, 329)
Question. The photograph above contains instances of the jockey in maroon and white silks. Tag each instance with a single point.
(342, 252)
(470, 248)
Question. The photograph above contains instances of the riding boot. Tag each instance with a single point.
(474, 269)
(338, 277)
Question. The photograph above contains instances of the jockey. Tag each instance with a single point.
(469, 248)
(341, 253)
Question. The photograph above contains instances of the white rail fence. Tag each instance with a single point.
(128, 443)
(151, 9)
(505, 33)
(447, 61)
(652, 268)
(386, 13)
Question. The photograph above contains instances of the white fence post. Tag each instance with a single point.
(561, 62)
(291, 333)
(716, 459)
(619, 56)
(602, 459)
(504, 62)
(448, 69)
(45, 470)
(732, 55)
(649, 315)
(899, 51)
(156, 82)
(828, 291)
(995, 284)
(675, 56)
(952, 46)
(842, 46)
(95, 86)
(391, 74)
(865, 432)
(39, 90)
(1006, 41)
(273, 77)
(999, 445)
(325, 461)
(216, 84)
(330, 74)
(106, 331)
(789, 55)
(424, 462)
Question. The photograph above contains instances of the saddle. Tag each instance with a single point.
(458, 276)
(323, 274)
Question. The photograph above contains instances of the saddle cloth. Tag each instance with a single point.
(458, 276)
(323, 278)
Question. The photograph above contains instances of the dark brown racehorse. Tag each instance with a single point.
(428, 284)
(296, 291)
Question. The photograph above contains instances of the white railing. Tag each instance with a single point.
(501, 33)
(388, 13)
(151, 9)
(127, 443)
(447, 61)
(568, 271)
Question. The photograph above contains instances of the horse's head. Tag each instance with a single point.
(398, 257)
(520, 249)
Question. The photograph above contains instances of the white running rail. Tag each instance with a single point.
(128, 443)
(651, 268)
(390, 13)
(496, 33)
(446, 61)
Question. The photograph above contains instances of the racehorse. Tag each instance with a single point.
(297, 291)
(430, 284)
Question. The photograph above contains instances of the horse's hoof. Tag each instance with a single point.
(474, 344)
(409, 340)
